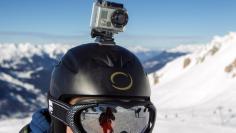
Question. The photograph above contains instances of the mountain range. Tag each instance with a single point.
(193, 86)
(25, 71)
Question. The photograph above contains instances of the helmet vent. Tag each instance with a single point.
(104, 61)
(121, 62)
(109, 62)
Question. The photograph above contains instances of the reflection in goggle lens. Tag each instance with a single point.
(109, 119)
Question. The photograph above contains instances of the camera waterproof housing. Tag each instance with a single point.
(108, 18)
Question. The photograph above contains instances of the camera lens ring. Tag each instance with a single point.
(122, 15)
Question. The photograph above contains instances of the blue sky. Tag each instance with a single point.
(152, 23)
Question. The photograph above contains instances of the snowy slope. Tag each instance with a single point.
(200, 77)
(193, 93)
(161, 127)
(13, 125)
(199, 88)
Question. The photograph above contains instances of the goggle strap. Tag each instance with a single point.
(152, 117)
(58, 110)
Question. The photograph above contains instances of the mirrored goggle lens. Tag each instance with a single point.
(114, 119)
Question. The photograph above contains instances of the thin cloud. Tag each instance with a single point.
(122, 36)
(161, 42)
(124, 39)
(163, 37)
(41, 35)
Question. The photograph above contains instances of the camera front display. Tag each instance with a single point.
(108, 16)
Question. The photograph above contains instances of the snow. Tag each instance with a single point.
(201, 96)
(13, 125)
(10, 51)
(15, 52)
(10, 79)
(181, 127)
(138, 49)
(150, 64)
(162, 126)
(189, 48)
(26, 74)
(19, 98)
(197, 98)
(200, 82)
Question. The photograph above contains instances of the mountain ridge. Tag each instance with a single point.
(25, 71)
(202, 80)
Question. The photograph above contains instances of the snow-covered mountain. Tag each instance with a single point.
(25, 71)
(157, 62)
(201, 76)
(199, 87)
(24, 76)
(193, 93)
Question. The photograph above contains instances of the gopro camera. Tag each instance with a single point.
(107, 18)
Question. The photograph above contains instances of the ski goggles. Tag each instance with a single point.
(105, 116)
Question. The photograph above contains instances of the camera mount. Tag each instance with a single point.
(103, 37)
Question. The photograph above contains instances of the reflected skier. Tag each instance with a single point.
(106, 119)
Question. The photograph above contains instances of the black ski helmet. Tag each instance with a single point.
(98, 70)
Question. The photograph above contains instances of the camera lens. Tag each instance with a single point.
(119, 18)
